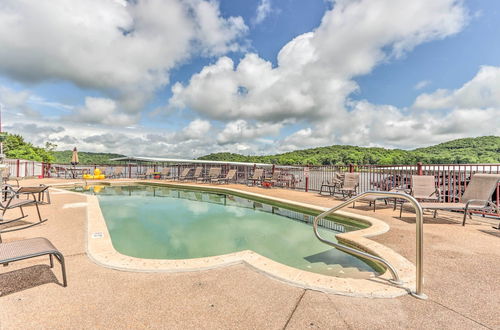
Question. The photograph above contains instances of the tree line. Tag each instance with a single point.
(484, 149)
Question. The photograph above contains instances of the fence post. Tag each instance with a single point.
(351, 168)
(18, 163)
(419, 169)
(306, 172)
(129, 171)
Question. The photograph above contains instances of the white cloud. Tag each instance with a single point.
(421, 84)
(315, 71)
(310, 86)
(198, 129)
(242, 131)
(483, 91)
(123, 49)
(17, 100)
(263, 10)
(99, 110)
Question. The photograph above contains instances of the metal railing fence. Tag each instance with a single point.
(451, 179)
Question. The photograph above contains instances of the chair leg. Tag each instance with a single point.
(465, 215)
(435, 213)
(51, 261)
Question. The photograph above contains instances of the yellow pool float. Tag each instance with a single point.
(97, 175)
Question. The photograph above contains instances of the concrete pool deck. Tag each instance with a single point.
(461, 270)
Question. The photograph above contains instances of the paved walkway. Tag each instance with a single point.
(461, 267)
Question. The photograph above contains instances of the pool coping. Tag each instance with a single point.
(100, 250)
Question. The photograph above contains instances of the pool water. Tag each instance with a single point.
(164, 223)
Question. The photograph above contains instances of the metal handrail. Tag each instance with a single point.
(419, 237)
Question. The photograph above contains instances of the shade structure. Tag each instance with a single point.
(74, 157)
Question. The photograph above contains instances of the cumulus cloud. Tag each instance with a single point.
(197, 129)
(315, 71)
(99, 110)
(123, 49)
(311, 87)
(483, 91)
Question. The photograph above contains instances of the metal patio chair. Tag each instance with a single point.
(333, 184)
(185, 174)
(31, 248)
(230, 176)
(12, 199)
(477, 196)
(350, 185)
(256, 177)
(213, 173)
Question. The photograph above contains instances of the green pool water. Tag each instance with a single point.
(163, 223)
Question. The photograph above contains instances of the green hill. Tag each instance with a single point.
(85, 158)
(484, 149)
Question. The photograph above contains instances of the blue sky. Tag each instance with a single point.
(254, 77)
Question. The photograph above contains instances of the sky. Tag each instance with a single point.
(185, 78)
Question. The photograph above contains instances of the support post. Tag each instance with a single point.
(306, 174)
(419, 169)
(18, 164)
(351, 168)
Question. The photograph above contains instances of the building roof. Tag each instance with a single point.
(187, 161)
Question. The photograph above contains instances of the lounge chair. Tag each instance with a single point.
(423, 189)
(333, 184)
(31, 248)
(198, 174)
(149, 173)
(350, 185)
(6, 176)
(185, 174)
(165, 172)
(117, 172)
(11, 199)
(213, 173)
(231, 174)
(275, 179)
(256, 177)
(477, 196)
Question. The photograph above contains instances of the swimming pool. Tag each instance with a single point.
(164, 223)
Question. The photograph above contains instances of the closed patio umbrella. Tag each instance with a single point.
(74, 162)
(74, 157)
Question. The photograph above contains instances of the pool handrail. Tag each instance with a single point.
(419, 237)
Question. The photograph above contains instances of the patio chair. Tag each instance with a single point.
(185, 174)
(275, 179)
(231, 174)
(213, 173)
(333, 184)
(117, 172)
(11, 199)
(256, 177)
(165, 172)
(477, 196)
(6, 176)
(423, 189)
(198, 174)
(149, 173)
(350, 185)
(31, 248)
